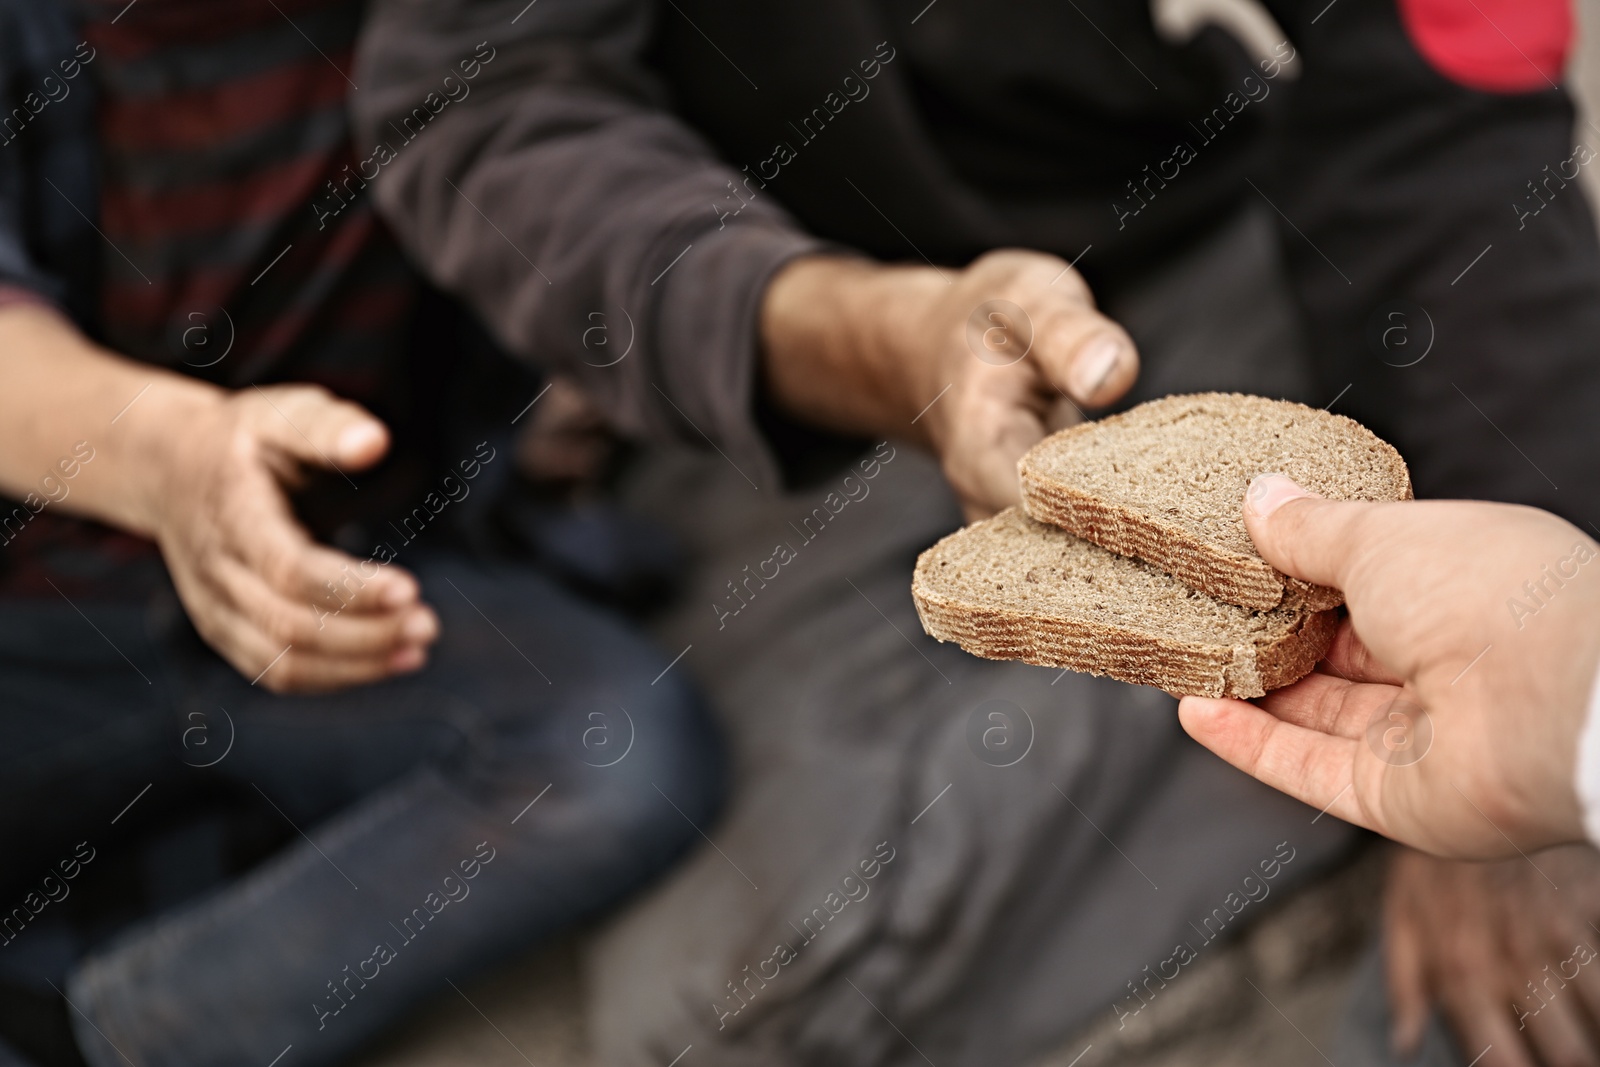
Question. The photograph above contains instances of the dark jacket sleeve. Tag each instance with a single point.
(556, 193)
(1460, 305)
(48, 247)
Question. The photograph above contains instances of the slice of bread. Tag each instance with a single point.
(1165, 482)
(1012, 588)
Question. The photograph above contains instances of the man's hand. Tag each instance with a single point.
(1446, 715)
(275, 604)
(975, 363)
(203, 472)
(1506, 950)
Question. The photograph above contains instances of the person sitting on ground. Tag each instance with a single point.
(281, 752)
(809, 231)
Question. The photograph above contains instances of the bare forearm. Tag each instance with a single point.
(832, 330)
(971, 363)
(81, 428)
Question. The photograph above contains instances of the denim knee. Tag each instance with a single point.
(659, 768)
(691, 764)
(641, 762)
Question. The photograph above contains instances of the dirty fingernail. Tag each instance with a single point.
(1095, 365)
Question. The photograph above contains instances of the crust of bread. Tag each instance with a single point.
(1140, 658)
(1229, 576)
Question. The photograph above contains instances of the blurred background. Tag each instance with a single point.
(1270, 998)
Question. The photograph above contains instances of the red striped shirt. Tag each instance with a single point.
(221, 126)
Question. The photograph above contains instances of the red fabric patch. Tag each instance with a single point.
(1497, 46)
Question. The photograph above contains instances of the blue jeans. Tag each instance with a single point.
(540, 768)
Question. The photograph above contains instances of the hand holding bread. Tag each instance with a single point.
(1448, 711)
(1138, 565)
(1203, 544)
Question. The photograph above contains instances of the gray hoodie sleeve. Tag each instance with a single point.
(527, 160)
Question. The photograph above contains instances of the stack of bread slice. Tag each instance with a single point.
(1129, 557)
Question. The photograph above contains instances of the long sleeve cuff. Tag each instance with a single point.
(709, 339)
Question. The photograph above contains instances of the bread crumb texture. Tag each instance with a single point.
(1166, 482)
(1013, 588)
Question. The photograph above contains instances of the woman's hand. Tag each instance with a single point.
(1446, 716)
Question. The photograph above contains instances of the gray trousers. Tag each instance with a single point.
(930, 857)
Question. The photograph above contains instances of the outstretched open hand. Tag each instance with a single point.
(255, 584)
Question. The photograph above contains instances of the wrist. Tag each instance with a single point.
(116, 417)
(844, 344)
(918, 345)
(158, 439)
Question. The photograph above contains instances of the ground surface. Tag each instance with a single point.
(1273, 997)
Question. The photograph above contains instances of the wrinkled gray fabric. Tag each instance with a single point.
(1020, 901)
(624, 253)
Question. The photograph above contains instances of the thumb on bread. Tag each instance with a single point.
(1300, 533)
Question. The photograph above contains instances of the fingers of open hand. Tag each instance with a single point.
(1476, 1012)
(1312, 766)
(1405, 973)
(267, 540)
(286, 621)
(1554, 987)
(256, 632)
(1551, 1014)
(1475, 979)
(1560, 1036)
(336, 581)
(1586, 987)
(1443, 943)
(291, 669)
(257, 655)
(1330, 705)
(271, 600)
(315, 427)
(1472, 936)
